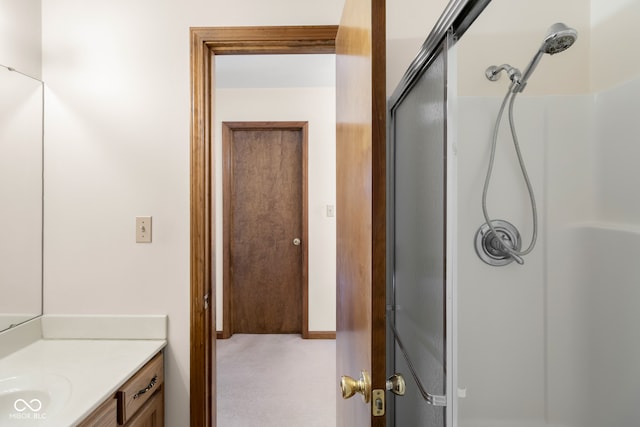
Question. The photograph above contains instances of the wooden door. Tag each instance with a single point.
(264, 227)
(361, 203)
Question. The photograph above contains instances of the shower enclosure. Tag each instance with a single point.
(552, 342)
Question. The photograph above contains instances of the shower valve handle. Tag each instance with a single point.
(500, 246)
(517, 258)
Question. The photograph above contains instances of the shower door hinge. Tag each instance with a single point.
(377, 403)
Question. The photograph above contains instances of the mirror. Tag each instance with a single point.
(21, 201)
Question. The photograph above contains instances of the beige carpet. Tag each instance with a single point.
(276, 380)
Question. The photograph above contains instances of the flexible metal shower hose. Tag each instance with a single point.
(515, 254)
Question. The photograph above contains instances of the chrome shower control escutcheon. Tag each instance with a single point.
(490, 246)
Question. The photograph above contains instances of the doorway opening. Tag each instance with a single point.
(206, 44)
(255, 92)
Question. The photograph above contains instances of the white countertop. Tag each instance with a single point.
(95, 369)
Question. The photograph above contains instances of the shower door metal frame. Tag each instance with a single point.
(453, 23)
(393, 337)
(456, 20)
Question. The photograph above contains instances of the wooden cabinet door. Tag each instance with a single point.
(106, 415)
(151, 414)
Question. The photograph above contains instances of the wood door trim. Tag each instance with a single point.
(204, 43)
(268, 40)
(321, 335)
(227, 291)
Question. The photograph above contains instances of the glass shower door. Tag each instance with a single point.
(417, 317)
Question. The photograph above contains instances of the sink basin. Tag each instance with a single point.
(32, 399)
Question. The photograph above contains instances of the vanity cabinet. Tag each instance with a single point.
(138, 403)
(105, 416)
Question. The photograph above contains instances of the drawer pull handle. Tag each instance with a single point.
(153, 382)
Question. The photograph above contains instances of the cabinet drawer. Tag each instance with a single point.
(137, 391)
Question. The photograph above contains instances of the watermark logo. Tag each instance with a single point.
(28, 410)
(21, 405)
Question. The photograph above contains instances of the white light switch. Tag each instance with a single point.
(143, 229)
(331, 210)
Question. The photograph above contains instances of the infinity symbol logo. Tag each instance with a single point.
(21, 405)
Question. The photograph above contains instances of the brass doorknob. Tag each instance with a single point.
(351, 386)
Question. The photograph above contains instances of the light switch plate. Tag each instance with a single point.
(331, 211)
(143, 229)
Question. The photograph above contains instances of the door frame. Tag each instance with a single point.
(205, 43)
(227, 173)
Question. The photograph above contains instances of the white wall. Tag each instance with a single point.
(606, 249)
(610, 299)
(618, 152)
(521, 327)
(21, 41)
(20, 195)
(20, 160)
(500, 310)
(592, 270)
(117, 146)
(613, 24)
(317, 106)
(511, 31)
(409, 22)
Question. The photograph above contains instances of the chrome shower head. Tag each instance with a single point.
(559, 38)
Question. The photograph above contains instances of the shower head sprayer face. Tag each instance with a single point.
(559, 38)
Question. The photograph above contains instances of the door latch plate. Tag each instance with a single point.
(377, 403)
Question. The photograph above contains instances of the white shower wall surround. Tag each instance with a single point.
(500, 309)
(618, 152)
(537, 341)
